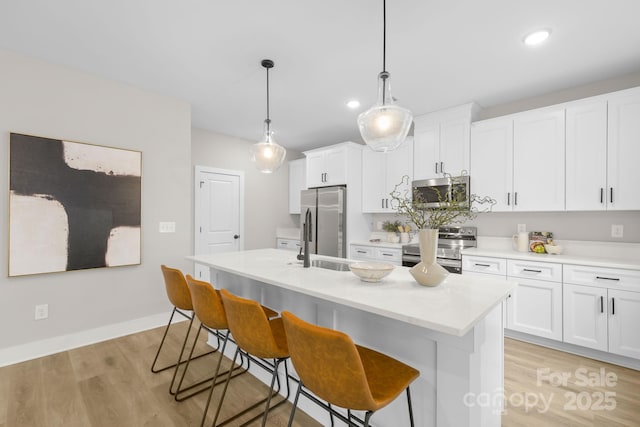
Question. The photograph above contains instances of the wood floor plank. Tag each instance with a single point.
(63, 403)
(25, 391)
(4, 395)
(574, 388)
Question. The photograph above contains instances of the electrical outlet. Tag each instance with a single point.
(167, 227)
(42, 311)
(522, 228)
(617, 231)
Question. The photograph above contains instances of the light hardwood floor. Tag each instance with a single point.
(109, 384)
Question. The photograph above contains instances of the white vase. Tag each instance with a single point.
(428, 272)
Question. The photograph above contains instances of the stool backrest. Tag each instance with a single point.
(207, 304)
(250, 327)
(177, 289)
(328, 364)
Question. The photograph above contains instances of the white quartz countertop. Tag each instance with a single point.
(601, 260)
(454, 307)
(380, 244)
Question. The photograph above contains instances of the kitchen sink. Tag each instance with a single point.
(330, 265)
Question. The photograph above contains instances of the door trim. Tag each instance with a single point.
(196, 214)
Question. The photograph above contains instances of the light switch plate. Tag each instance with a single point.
(42, 311)
(617, 231)
(167, 227)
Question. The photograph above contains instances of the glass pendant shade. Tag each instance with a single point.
(385, 125)
(267, 154)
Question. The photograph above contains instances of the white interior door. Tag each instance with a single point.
(219, 215)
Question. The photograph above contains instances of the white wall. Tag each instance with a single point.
(266, 195)
(43, 99)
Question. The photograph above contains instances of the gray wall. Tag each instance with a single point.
(43, 99)
(266, 195)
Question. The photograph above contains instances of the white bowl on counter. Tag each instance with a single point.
(371, 271)
(553, 249)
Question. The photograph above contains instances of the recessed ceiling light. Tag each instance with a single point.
(353, 104)
(536, 37)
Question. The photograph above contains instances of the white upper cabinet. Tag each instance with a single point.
(586, 167)
(297, 183)
(539, 160)
(441, 142)
(380, 174)
(327, 166)
(623, 150)
(492, 161)
(518, 160)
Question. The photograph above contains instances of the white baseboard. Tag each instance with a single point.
(33, 350)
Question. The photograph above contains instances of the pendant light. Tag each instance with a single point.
(267, 154)
(385, 125)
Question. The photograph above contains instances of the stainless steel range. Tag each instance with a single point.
(451, 241)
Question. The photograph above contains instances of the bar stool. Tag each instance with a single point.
(260, 339)
(209, 310)
(342, 373)
(179, 295)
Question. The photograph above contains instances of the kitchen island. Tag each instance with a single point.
(452, 333)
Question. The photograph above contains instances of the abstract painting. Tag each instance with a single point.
(72, 206)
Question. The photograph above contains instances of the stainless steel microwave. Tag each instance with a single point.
(438, 192)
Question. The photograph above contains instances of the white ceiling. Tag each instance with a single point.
(440, 53)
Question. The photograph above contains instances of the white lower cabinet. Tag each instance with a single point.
(624, 318)
(289, 244)
(585, 316)
(602, 309)
(535, 308)
(372, 253)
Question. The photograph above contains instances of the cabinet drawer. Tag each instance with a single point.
(602, 277)
(486, 265)
(390, 255)
(362, 252)
(290, 244)
(548, 271)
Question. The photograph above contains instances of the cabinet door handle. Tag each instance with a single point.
(611, 195)
(532, 271)
(601, 304)
(608, 278)
(387, 203)
(515, 198)
(613, 307)
(362, 252)
(482, 265)
(601, 195)
(387, 254)
(382, 203)
(441, 167)
(436, 167)
(509, 199)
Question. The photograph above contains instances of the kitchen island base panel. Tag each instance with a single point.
(454, 371)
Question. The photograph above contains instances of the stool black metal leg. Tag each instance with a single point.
(273, 382)
(410, 408)
(215, 377)
(295, 404)
(166, 330)
(226, 385)
(184, 345)
(367, 416)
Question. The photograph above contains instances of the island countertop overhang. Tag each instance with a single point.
(454, 307)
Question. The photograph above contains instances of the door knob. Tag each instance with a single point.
(236, 236)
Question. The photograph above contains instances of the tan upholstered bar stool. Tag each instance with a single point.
(209, 310)
(261, 339)
(342, 373)
(179, 295)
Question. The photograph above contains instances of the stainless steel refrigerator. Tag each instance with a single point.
(328, 207)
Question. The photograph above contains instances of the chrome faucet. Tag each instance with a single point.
(307, 236)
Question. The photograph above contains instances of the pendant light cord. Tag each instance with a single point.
(268, 120)
(384, 36)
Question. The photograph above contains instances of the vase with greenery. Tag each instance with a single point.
(427, 221)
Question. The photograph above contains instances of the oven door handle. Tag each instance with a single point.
(448, 262)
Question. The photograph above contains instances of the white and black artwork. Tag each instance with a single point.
(72, 205)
